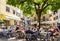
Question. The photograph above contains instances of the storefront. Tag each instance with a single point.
(9, 19)
(2, 18)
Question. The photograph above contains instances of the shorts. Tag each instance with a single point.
(46, 37)
(51, 34)
(59, 28)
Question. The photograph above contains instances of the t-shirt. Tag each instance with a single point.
(36, 32)
(29, 31)
(17, 28)
(54, 30)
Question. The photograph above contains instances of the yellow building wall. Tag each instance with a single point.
(11, 22)
(2, 17)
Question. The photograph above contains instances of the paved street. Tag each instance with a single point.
(12, 39)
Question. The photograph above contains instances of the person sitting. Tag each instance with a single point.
(29, 33)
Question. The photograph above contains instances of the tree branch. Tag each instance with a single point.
(36, 3)
(36, 8)
(44, 3)
(45, 7)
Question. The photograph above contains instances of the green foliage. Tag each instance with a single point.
(28, 5)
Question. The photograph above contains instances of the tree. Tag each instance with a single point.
(37, 7)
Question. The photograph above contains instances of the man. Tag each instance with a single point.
(58, 26)
(29, 33)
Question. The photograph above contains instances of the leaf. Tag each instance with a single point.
(27, 5)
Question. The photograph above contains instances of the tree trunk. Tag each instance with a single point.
(38, 12)
(39, 17)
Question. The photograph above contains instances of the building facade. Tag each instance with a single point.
(50, 19)
(9, 14)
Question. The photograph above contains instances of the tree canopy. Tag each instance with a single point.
(29, 6)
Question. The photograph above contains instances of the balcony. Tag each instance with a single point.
(44, 20)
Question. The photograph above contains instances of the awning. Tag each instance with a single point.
(47, 22)
(2, 17)
(9, 16)
(13, 17)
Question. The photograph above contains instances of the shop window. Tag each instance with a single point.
(13, 11)
(6, 22)
(56, 17)
(7, 9)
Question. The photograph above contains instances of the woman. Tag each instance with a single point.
(22, 32)
(35, 33)
(29, 33)
(53, 33)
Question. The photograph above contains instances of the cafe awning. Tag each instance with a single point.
(2, 17)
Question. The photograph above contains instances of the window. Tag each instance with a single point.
(47, 19)
(7, 9)
(43, 18)
(54, 13)
(13, 11)
(54, 18)
(18, 14)
(53, 24)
